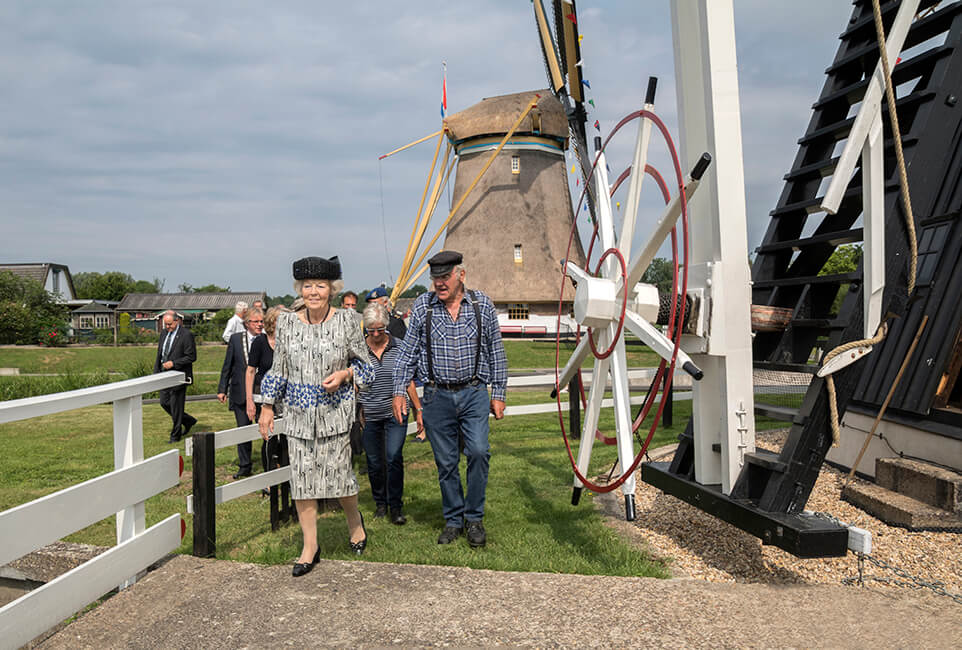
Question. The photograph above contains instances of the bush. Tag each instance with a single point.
(123, 323)
(53, 336)
(29, 314)
(207, 331)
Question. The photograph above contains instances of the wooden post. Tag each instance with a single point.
(574, 407)
(668, 397)
(205, 531)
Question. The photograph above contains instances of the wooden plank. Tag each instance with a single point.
(32, 525)
(770, 319)
(31, 407)
(33, 614)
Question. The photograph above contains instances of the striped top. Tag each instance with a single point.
(378, 398)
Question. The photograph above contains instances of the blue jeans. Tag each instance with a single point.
(383, 441)
(448, 414)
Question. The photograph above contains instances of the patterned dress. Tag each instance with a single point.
(318, 423)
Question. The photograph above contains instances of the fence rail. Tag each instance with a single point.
(123, 491)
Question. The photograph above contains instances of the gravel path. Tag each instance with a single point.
(701, 546)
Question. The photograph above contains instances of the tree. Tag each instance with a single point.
(112, 285)
(27, 310)
(660, 273)
(207, 288)
(844, 259)
(414, 291)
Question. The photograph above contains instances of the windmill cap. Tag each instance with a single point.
(442, 263)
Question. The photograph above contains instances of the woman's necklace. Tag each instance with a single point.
(307, 312)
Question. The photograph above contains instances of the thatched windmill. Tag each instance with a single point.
(515, 225)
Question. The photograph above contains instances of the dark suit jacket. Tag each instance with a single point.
(234, 371)
(182, 352)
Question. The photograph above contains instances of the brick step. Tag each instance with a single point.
(897, 509)
(935, 486)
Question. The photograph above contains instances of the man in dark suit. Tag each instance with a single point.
(232, 381)
(176, 351)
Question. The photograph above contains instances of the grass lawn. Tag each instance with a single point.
(531, 524)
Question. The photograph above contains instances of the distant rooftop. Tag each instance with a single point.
(177, 301)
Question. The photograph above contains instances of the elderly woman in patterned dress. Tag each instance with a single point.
(319, 357)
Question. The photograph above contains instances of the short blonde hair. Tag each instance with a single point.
(336, 286)
(376, 314)
(250, 313)
(270, 318)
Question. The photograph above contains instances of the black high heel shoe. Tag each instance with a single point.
(358, 547)
(303, 568)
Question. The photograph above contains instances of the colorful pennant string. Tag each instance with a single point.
(572, 18)
(597, 125)
(585, 82)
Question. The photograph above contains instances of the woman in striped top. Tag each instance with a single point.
(383, 435)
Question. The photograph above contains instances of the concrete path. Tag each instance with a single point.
(194, 603)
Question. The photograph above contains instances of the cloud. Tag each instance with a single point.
(216, 141)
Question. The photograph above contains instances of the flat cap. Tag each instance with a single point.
(443, 262)
(377, 292)
(317, 268)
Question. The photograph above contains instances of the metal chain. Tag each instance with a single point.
(908, 580)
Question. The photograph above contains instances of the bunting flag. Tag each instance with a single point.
(578, 64)
(572, 169)
(592, 102)
(580, 36)
(618, 205)
(444, 90)
(585, 82)
(572, 18)
(597, 125)
(577, 182)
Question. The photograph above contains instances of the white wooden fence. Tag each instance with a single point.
(123, 491)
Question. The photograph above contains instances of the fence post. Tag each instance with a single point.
(205, 532)
(129, 449)
(574, 406)
(669, 397)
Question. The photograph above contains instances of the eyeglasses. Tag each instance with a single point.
(374, 330)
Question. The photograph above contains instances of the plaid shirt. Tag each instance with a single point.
(453, 346)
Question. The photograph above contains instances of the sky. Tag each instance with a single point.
(217, 142)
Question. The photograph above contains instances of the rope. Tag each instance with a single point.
(909, 223)
(830, 381)
(897, 138)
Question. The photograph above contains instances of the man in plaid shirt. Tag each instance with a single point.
(456, 362)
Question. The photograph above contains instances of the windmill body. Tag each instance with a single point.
(515, 225)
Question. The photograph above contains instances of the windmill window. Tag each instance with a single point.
(518, 257)
(515, 164)
(518, 312)
(931, 244)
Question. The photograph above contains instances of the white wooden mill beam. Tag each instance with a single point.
(707, 86)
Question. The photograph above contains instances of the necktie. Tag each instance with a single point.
(170, 339)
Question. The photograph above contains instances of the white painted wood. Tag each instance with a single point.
(873, 223)
(622, 409)
(36, 612)
(249, 485)
(606, 225)
(129, 450)
(31, 407)
(635, 181)
(32, 525)
(869, 110)
(581, 352)
(653, 338)
(843, 360)
(599, 381)
(706, 70)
